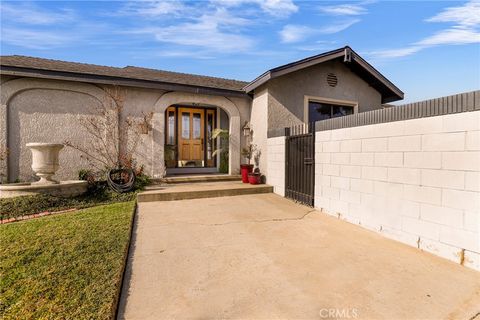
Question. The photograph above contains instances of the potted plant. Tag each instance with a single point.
(224, 137)
(247, 168)
(255, 176)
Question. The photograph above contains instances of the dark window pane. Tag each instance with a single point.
(318, 111)
(321, 111)
(340, 111)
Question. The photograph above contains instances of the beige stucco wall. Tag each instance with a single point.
(259, 125)
(138, 102)
(40, 115)
(280, 102)
(34, 110)
(4, 78)
(287, 93)
(40, 110)
(244, 106)
(3, 129)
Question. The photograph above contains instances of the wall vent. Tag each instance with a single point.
(332, 80)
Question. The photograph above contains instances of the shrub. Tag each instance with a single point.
(223, 162)
(97, 194)
(141, 181)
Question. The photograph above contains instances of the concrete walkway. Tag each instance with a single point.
(264, 257)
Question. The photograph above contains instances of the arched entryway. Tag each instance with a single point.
(181, 121)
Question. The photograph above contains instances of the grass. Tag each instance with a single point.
(67, 266)
(25, 205)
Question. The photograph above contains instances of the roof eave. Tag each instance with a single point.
(257, 82)
(291, 67)
(395, 90)
(397, 94)
(102, 79)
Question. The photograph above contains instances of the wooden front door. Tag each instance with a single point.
(191, 137)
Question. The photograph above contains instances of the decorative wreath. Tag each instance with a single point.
(121, 180)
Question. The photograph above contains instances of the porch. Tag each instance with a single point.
(184, 141)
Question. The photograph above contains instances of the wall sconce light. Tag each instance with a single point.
(246, 129)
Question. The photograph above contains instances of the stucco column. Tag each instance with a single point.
(234, 149)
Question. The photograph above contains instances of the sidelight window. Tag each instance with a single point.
(209, 136)
(171, 128)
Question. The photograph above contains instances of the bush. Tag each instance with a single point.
(84, 174)
(223, 162)
(141, 181)
(97, 194)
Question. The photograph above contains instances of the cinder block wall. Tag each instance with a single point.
(276, 164)
(415, 181)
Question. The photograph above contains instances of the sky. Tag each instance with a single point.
(427, 48)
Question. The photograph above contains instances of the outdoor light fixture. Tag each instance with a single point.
(246, 129)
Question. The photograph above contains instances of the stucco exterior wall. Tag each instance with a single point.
(41, 115)
(287, 93)
(40, 110)
(34, 110)
(244, 106)
(3, 129)
(140, 102)
(259, 124)
(4, 78)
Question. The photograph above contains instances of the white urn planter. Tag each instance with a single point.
(45, 161)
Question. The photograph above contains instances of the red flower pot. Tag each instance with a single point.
(245, 169)
(254, 178)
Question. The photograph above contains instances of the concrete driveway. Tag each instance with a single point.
(264, 257)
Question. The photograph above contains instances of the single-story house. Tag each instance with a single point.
(44, 100)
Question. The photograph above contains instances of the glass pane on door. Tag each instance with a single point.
(185, 125)
(197, 134)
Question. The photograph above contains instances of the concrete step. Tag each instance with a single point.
(198, 178)
(201, 190)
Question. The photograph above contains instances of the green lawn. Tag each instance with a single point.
(67, 266)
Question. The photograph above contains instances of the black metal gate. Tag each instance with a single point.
(300, 163)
